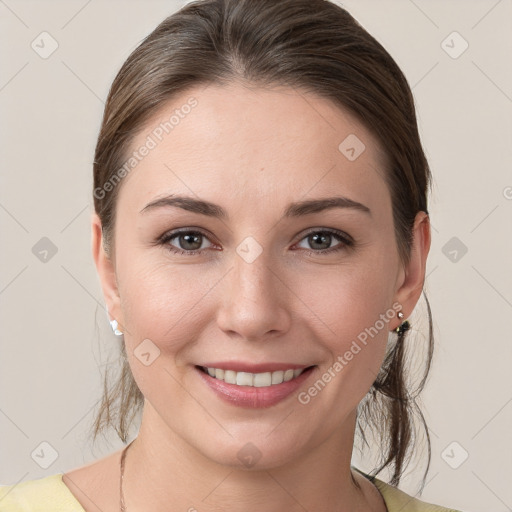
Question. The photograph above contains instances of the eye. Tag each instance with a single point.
(185, 241)
(321, 240)
(191, 242)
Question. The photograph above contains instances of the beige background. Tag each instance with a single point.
(55, 335)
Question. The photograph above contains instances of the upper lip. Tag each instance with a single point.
(240, 366)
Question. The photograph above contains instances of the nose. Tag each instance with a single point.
(255, 301)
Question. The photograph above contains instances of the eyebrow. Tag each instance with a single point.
(296, 209)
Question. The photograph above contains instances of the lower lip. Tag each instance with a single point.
(253, 397)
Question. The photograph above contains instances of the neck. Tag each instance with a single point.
(161, 468)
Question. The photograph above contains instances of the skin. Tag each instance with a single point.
(251, 151)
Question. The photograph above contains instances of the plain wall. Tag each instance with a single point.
(55, 334)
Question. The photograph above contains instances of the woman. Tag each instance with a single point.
(260, 233)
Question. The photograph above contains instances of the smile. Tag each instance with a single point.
(257, 380)
(266, 385)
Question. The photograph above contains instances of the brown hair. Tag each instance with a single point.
(313, 45)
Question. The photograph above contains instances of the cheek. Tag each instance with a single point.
(162, 301)
(162, 306)
(352, 296)
(354, 306)
(356, 313)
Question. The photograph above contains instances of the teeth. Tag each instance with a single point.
(230, 377)
(244, 379)
(258, 380)
(288, 375)
(277, 377)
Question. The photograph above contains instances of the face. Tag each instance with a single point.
(228, 256)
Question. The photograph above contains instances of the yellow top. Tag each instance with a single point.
(51, 494)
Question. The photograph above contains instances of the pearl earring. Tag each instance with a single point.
(114, 325)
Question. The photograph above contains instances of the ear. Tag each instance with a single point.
(106, 272)
(412, 276)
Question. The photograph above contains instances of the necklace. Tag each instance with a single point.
(122, 506)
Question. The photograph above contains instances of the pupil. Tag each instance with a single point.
(324, 239)
(190, 239)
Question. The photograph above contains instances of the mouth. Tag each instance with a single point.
(254, 390)
(256, 380)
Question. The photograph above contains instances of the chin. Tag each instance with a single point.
(252, 452)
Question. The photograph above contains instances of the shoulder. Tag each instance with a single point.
(40, 495)
(397, 500)
(90, 487)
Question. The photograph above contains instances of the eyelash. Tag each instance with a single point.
(346, 241)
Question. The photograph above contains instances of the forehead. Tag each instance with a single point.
(255, 144)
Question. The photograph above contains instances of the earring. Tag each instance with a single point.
(404, 326)
(114, 325)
